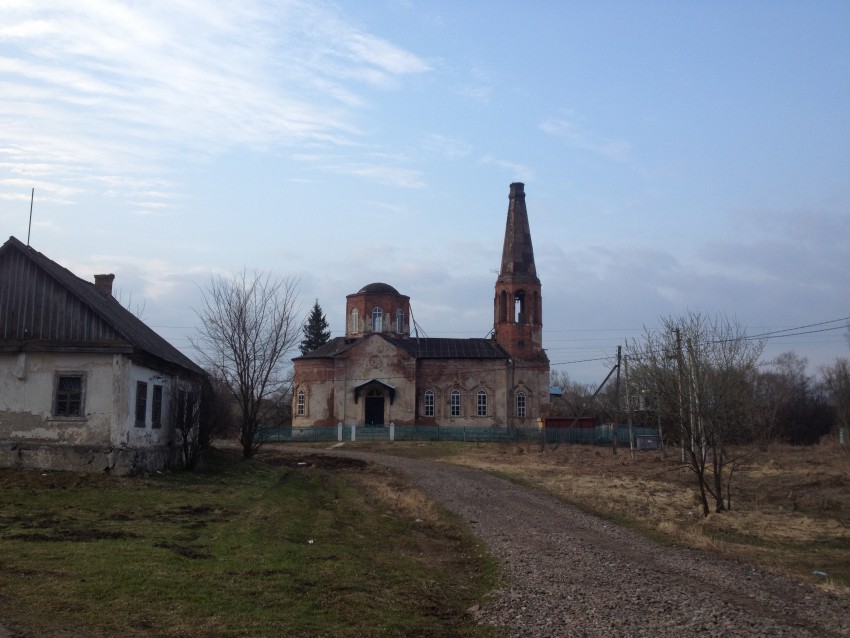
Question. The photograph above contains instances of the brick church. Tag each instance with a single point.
(379, 373)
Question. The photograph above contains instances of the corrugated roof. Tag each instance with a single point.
(129, 326)
(426, 348)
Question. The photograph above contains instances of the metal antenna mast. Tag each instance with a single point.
(29, 227)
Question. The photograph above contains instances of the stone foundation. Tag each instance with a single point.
(86, 458)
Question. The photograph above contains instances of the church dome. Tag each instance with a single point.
(378, 288)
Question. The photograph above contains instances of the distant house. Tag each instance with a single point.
(84, 383)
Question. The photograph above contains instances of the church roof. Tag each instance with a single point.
(517, 253)
(378, 287)
(425, 348)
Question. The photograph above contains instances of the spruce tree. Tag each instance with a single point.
(316, 331)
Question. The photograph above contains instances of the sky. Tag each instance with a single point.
(677, 157)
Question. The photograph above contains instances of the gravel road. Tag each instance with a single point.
(572, 574)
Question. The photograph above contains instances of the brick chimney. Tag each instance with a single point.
(103, 283)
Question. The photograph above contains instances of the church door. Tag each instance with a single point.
(374, 405)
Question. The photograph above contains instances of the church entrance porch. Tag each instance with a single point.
(373, 409)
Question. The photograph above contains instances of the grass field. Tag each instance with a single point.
(276, 548)
(791, 505)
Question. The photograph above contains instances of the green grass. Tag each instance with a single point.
(241, 549)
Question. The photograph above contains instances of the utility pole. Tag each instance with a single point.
(697, 433)
(680, 364)
(615, 428)
(629, 408)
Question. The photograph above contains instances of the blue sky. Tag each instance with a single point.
(677, 156)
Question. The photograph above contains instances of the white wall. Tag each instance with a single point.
(27, 390)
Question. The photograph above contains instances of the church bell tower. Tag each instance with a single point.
(518, 306)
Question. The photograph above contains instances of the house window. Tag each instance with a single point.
(355, 320)
(300, 404)
(520, 405)
(429, 403)
(377, 320)
(399, 321)
(455, 403)
(156, 407)
(141, 403)
(69, 396)
(482, 403)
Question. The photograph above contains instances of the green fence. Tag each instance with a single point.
(600, 435)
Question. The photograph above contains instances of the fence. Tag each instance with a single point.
(599, 435)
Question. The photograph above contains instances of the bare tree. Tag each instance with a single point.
(574, 395)
(200, 411)
(249, 325)
(701, 372)
(836, 378)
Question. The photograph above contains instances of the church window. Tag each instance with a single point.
(399, 321)
(355, 320)
(520, 405)
(503, 307)
(300, 404)
(429, 403)
(455, 403)
(519, 307)
(377, 320)
(482, 403)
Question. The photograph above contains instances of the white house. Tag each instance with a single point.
(84, 383)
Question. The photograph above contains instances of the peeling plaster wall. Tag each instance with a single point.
(27, 389)
(104, 437)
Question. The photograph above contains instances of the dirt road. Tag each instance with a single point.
(572, 574)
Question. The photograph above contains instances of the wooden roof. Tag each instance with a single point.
(44, 306)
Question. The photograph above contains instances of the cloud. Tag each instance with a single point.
(517, 171)
(568, 129)
(105, 91)
(451, 148)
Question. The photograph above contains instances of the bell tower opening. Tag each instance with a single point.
(518, 327)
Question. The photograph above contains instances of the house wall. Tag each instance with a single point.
(104, 437)
(27, 390)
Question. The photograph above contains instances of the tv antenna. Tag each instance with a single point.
(29, 227)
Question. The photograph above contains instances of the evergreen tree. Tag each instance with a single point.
(316, 331)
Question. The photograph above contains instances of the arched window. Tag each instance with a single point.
(399, 321)
(482, 403)
(377, 320)
(300, 404)
(355, 321)
(503, 307)
(429, 403)
(520, 405)
(455, 403)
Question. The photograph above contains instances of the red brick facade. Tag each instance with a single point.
(377, 374)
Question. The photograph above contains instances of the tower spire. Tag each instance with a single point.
(518, 253)
(518, 306)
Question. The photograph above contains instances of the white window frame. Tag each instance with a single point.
(521, 405)
(481, 403)
(301, 403)
(399, 321)
(377, 319)
(428, 408)
(454, 403)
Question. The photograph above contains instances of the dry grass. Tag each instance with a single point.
(790, 505)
